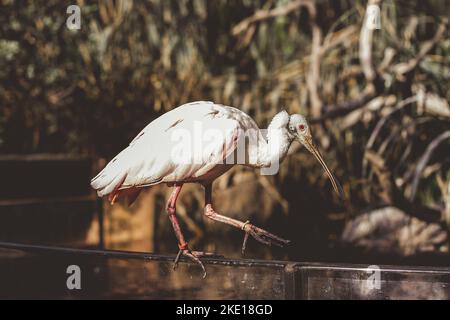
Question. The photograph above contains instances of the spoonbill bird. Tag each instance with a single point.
(198, 142)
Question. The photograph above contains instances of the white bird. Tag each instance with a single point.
(198, 142)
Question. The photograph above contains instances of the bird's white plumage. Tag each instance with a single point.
(152, 156)
(194, 143)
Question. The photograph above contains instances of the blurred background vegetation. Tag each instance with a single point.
(377, 101)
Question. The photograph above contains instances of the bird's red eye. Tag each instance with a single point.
(301, 127)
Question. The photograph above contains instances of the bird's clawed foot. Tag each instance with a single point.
(262, 236)
(194, 256)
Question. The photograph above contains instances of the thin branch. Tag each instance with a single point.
(342, 109)
(402, 68)
(379, 126)
(424, 160)
(393, 196)
(384, 119)
(261, 15)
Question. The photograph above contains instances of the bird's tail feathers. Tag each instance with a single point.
(109, 179)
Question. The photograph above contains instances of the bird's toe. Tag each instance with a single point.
(193, 256)
(264, 236)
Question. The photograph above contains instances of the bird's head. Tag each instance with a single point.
(299, 130)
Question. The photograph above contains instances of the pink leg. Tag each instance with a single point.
(171, 211)
(257, 233)
(182, 244)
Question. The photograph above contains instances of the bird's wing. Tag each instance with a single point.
(181, 145)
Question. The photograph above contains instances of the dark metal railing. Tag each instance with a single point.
(35, 271)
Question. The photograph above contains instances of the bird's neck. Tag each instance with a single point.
(276, 148)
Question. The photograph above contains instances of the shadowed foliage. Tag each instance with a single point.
(378, 99)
